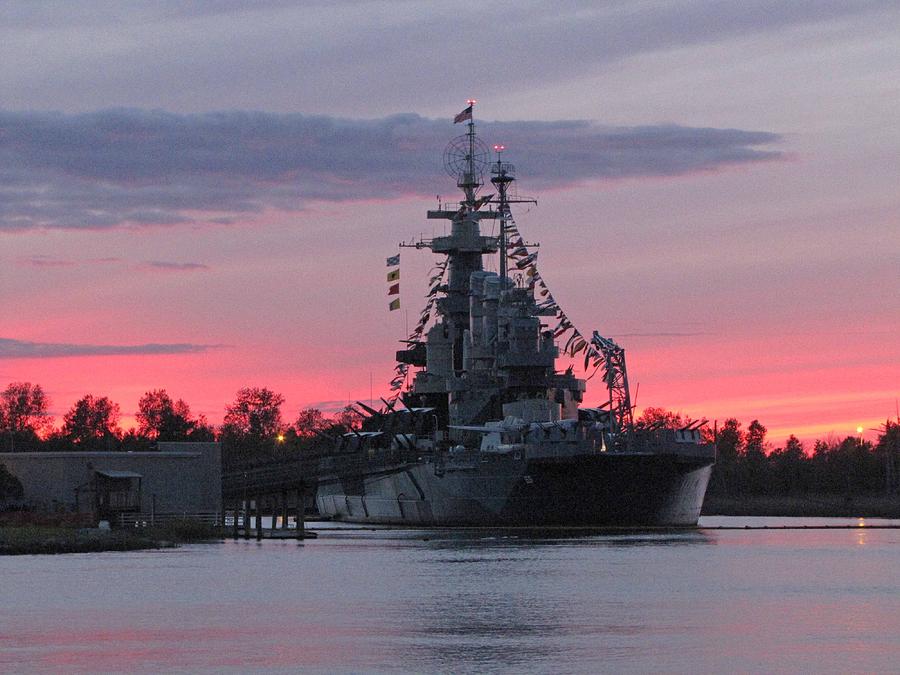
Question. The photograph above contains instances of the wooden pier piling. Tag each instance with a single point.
(301, 524)
(268, 490)
(259, 527)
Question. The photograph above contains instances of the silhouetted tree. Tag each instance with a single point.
(23, 415)
(310, 422)
(864, 471)
(203, 431)
(347, 419)
(888, 450)
(93, 422)
(755, 439)
(753, 469)
(255, 413)
(788, 464)
(654, 416)
(133, 441)
(820, 463)
(728, 439)
(162, 419)
(156, 416)
(251, 425)
(849, 466)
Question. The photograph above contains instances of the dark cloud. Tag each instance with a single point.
(48, 261)
(136, 167)
(21, 349)
(45, 261)
(161, 265)
(350, 54)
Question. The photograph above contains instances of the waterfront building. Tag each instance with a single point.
(177, 478)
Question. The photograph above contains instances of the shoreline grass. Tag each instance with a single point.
(37, 539)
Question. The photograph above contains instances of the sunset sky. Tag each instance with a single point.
(198, 197)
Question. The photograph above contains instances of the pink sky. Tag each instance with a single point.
(741, 284)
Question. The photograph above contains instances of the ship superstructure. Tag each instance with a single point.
(488, 431)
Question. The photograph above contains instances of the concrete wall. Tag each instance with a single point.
(185, 477)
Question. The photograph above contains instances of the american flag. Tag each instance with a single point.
(463, 116)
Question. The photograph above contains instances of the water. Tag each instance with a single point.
(467, 601)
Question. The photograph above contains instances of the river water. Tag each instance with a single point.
(356, 600)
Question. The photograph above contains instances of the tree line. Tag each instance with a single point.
(253, 428)
(749, 465)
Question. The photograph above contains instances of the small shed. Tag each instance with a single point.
(116, 492)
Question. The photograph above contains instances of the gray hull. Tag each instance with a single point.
(603, 490)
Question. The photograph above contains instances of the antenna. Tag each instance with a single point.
(470, 158)
(501, 180)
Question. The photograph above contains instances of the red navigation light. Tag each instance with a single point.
(499, 148)
(471, 101)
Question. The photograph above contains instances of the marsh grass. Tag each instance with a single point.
(40, 539)
(35, 539)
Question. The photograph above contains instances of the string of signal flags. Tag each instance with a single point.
(393, 279)
(576, 343)
(435, 282)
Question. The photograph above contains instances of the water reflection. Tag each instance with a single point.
(477, 600)
(501, 592)
(530, 537)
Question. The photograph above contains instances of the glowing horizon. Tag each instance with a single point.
(716, 186)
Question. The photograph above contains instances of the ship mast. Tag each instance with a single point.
(470, 180)
(503, 176)
(465, 159)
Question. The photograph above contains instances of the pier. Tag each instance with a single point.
(274, 490)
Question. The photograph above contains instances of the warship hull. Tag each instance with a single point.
(598, 490)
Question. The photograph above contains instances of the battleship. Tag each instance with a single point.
(481, 428)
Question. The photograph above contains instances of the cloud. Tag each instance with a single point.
(136, 167)
(21, 349)
(332, 407)
(661, 334)
(161, 265)
(45, 261)
(346, 53)
(48, 261)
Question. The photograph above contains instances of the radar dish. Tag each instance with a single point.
(456, 157)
